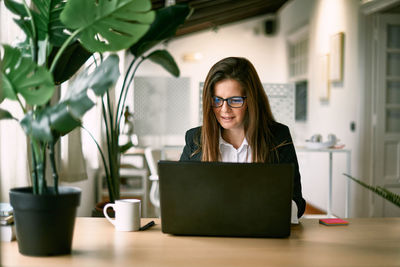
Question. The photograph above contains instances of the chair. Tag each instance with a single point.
(153, 155)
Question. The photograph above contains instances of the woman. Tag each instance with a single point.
(238, 125)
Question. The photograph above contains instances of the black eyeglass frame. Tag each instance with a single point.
(228, 101)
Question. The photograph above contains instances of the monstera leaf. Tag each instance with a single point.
(74, 56)
(37, 126)
(108, 25)
(164, 58)
(20, 75)
(62, 118)
(164, 26)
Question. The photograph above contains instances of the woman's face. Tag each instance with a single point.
(229, 118)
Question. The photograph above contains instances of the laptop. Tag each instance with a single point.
(225, 199)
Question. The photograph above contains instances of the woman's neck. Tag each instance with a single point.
(233, 137)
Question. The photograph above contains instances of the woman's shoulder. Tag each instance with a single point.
(279, 128)
(193, 135)
(280, 134)
(193, 132)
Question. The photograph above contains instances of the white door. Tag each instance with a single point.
(387, 111)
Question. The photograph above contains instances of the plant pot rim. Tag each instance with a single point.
(62, 190)
(22, 198)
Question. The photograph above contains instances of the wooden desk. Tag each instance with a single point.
(365, 242)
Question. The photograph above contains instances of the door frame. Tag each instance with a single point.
(375, 80)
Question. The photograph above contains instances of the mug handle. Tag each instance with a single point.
(109, 205)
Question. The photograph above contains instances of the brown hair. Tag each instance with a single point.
(258, 118)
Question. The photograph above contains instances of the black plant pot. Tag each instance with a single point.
(45, 223)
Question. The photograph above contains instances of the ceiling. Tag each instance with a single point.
(209, 14)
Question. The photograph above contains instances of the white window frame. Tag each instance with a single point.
(298, 42)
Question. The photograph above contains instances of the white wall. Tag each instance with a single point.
(13, 159)
(269, 55)
(243, 39)
(326, 18)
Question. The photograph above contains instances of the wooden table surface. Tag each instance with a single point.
(364, 242)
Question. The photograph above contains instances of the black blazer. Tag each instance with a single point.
(286, 154)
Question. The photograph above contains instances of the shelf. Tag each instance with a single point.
(132, 172)
(127, 192)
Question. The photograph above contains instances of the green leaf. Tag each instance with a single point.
(20, 75)
(108, 25)
(62, 120)
(25, 26)
(6, 89)
(51, 122)
(48, 22)
(46, 18)
(105, 75)
(100, 80)
(383, 192)
(74, 56)
(67, 115)
(16, 8)
(5, 115)
(166, 23)
(39, 127)
(164, 58)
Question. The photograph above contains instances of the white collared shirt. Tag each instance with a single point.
(231, 154)
(243, 154)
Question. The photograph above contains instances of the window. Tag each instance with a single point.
(301, 101)
(297, 44)
(298, 53)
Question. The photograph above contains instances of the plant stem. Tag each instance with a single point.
(117, 126)
(111, 119)
(35, 184)
(42, 181)
(61, 50)
(119, 108)
(114, 149)
(111, 190)
(20, 103)
(115, 164)
(103, 159)
(53, 166)
(39, 167)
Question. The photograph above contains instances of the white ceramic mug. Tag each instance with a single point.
(332, 138)
(127, 214)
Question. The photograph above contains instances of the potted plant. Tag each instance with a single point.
(379, 190)
(60, 37)
(164, 26)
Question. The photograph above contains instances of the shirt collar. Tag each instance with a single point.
(222, 142)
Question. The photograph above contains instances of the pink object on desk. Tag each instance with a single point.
(333, 221)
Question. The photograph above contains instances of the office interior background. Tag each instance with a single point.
(361, 107)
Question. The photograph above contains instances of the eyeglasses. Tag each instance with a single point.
(233, 102)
